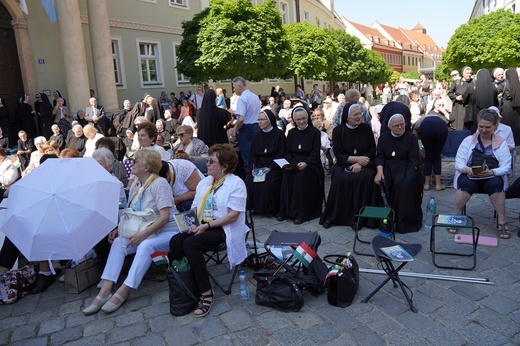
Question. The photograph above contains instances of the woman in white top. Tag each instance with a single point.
(92, 137)
(8, 173)
(184, 177)
(147, 191)
(220, 205)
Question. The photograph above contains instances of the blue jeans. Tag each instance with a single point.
(244, 137)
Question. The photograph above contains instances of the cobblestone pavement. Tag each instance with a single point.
(450, 312)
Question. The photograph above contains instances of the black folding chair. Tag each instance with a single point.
(391, 271)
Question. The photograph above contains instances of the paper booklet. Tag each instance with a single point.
(259, 175)
(397, 253)
(185, 219)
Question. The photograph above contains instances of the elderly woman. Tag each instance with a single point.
(397, 162)
(354, 172)
(183, 177)
(147, 135)
(267, 145)
(57, 136)
(62, 116)
(35, 155)
(8, 172)
(147, 191)
(220, 204)
(159, 124)
(92, 135)
(433, 132)
(188, 147)
(302, 190)
(77, 140)
(491, 153)
(498, 82)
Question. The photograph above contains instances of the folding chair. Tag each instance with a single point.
(386, 214)
(391, 271)
(219, 255)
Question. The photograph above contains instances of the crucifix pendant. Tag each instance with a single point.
(393, 153)
(355, 151)
(265, 150)
(299, 146)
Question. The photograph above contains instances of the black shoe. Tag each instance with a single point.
(298, 222)
(327, 224)
(280, 218)
(42, 283)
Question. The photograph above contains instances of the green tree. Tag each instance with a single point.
(375, 69)
(348, 66)
(411, 75)
(314, 52)
(394, 77)
(474, 44)
(235, 38)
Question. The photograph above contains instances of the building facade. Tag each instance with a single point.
(120, 48)
(483, 7)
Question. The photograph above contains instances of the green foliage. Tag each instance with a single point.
(235, 38)
(475, 44)
(347, 65)
(411, 75)
(374, 69)
(189, 50)
(394, 77)
(314, 52)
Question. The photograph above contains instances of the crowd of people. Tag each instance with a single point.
(270, 155)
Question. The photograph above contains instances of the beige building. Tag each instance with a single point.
(120, 48)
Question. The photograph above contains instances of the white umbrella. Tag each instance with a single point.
(61, 209)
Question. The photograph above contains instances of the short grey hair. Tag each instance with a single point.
(104, 153)
(488, 115)
(40, 139)
(140, 119)
(240, 80)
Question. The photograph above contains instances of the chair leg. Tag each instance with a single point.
(225, 290)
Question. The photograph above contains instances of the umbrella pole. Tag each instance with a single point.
(433, 276)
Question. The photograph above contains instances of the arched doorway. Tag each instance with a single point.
(11, 86)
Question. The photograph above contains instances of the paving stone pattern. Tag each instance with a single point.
(450, 313)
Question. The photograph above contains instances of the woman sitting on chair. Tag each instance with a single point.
(353, 175)
(147, 191)
(397, 162)
(490, 153)
(302, 189)
(220, 204)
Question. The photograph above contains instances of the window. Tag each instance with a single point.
(318, 23)
(284, 8)
(181, 79)
(273, 80)
(149, 63)
(183, 3)
(117, 61)
(409, 61)
(513, 8)
(306, 17)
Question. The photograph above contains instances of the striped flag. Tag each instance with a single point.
(160, 258)
(304, 253)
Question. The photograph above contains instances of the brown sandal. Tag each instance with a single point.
(204, 305)
(503, 231)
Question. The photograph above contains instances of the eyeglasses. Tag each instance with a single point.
(211, 161)
(180, 134)
(398, 125)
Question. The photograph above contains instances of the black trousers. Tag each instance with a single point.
(194, 247)
(8, 254)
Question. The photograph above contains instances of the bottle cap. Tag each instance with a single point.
(242, 272)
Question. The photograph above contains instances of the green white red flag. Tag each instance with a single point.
(304, 253)
(160, 258)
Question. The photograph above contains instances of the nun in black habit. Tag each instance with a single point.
(352, 185)
(511, 103)
(26, 116)
(462, 96)
(267, 145)
(397, 162)
(212, 120)
(302, 190)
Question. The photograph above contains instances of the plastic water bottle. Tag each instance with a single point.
(73, 264)
(244, 290)
(431, 209)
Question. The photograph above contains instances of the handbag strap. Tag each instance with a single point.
(183, 285)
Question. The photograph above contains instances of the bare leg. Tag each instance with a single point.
(104, 292)
(438, 183)
(498, 200)
(427, 181)
(461, 198)
(123, 291)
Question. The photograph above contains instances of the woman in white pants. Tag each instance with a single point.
(147, 191)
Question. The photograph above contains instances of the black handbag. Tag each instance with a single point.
(479, 157)
(281, 291)
(183, 292)
(343, 285)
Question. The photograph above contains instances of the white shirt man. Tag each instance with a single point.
(196, 99)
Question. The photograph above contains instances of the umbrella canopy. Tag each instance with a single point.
(61, 209)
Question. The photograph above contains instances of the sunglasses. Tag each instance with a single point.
(211, 161)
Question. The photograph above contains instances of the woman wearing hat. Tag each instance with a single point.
(302, 189)
(264, 176)
(354, 172)
(397, 162)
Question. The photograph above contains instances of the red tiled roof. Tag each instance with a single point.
(372, 32)
(423, 40)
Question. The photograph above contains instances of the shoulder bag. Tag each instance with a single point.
(131, 222)
(183, 291)
(16, 283)
(82, 276)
